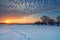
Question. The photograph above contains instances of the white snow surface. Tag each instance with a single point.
(29, 32)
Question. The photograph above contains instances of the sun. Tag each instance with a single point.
(7, 21)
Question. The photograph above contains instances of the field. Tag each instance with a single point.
(29, 32)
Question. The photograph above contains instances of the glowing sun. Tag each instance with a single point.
(7, 21)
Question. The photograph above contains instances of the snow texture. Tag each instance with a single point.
(29, 32)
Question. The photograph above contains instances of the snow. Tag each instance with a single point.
(29, 32)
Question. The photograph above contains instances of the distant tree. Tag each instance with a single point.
(58, 20)
(37, 22)
(51, 22)
(45, 19)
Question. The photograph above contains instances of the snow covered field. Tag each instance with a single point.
(29, 32)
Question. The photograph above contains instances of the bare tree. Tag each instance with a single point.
(45, 19)
(51, 22)
(58, 20)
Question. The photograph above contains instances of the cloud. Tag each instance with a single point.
(27, 7)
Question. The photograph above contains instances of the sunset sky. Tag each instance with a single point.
(27, 11)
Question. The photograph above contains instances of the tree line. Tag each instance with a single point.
(46, 20)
